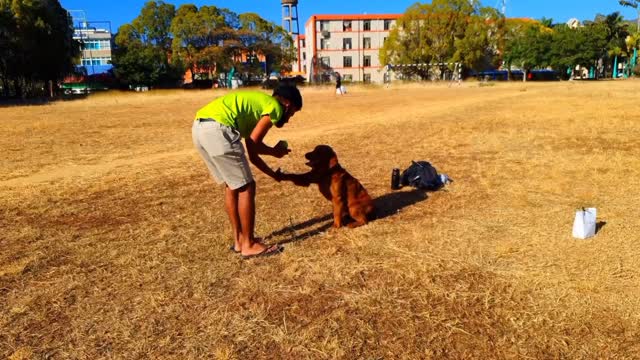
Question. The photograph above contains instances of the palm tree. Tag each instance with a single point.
(632, 42)
(616, 33)
(634, 4)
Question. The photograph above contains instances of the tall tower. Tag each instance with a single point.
(290, 16)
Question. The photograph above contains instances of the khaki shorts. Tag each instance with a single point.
(221, 149)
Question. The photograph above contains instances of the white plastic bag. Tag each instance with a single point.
(584, 225)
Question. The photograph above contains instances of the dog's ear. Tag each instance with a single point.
(333, 160)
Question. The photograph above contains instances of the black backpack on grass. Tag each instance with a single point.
(421, 175)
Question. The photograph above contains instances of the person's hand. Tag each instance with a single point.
(281, 149)
(278, 175)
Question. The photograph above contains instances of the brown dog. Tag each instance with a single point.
(346, 193)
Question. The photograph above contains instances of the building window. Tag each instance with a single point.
(304, 56)
(366, 78)
(347, 78)
(302, 43)
(346, 25)
(366, 61)
(387, 24)
(366, 43)
(366, 25)
(346, 44)
(96, 45)
(325, 61)
(324, 43)
(304, 68)
(96, 61)
(346, 61)
(251, 58)
(324, 26)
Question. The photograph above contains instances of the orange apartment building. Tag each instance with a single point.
(347, 44)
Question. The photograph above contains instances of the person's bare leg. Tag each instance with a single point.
(247, 212)
(231, 205)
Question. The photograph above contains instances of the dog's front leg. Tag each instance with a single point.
(337, 210)
(304, 179)
(338, 200)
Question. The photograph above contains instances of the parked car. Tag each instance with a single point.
(82, 88)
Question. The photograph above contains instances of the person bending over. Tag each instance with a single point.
(217, 133)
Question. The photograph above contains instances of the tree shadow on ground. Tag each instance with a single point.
(386, 205)
(37, 101)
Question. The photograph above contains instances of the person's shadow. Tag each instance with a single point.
(386, 205)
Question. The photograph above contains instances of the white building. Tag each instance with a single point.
(347, 44)
(95, 49)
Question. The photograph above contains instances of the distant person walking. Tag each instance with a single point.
(217, 133)
(338, 84)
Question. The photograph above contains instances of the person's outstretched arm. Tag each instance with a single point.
(255, 146)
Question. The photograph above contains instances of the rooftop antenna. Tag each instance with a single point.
(290, 16)
(81, 17)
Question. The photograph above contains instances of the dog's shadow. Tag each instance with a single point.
(386, 205)
(390, 204)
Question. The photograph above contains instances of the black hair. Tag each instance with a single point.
(291, 93)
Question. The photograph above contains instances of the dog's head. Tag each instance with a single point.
(322, 158)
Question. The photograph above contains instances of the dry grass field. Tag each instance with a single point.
(115, 242)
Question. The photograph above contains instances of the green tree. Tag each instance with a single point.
(529, 47)
(8, 59)
(37, 46)
(161, 42)
(135, 62)
(143, 52)
(615, 32)
(632, 42)
(261, 37)
(581, 46)
(444, 31)
(634, 4)
(211, 39)
(154, 23)
(615, 28)
(484, 37)
(547, 22)
(204, 39)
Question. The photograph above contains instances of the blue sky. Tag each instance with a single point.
(120, 12)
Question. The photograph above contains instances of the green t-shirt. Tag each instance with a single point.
(242, 110)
